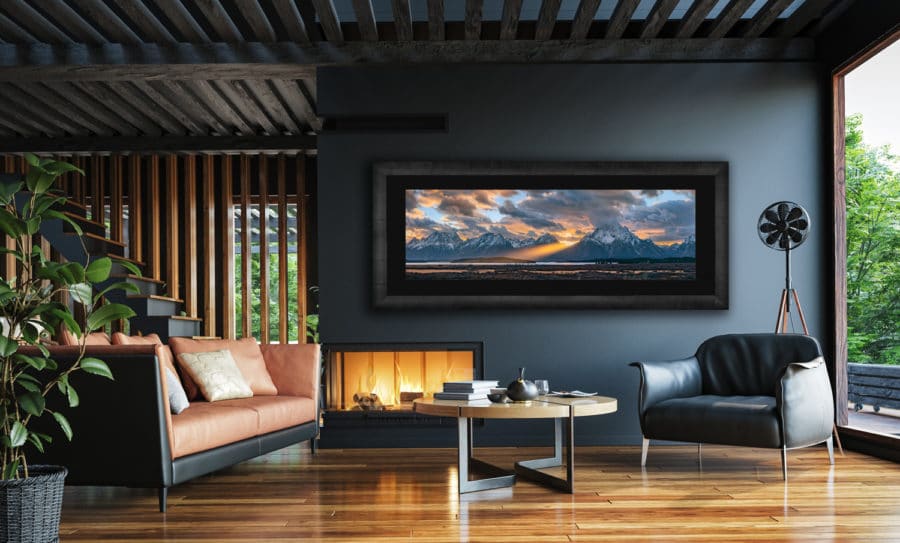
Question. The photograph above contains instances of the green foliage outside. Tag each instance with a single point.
(873, 249)
(274, 308)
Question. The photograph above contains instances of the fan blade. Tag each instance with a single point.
(782, 211)
(801, 224)
(795, 213)
(772, 238)
(767, 227)
(796, 236)
(771, 216)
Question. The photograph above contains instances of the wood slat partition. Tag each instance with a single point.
(208, 220)
(282, 253)
(96, 189)
(135, 209)
(116, 198)
(263, 250)
(171, 248)
(9, 261)
(189, 266)
(245, 243)
(301, 249)
(226, 223)
(154, 254)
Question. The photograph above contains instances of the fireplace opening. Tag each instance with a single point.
(372, 379)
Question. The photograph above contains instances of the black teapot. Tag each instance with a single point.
(521, 390)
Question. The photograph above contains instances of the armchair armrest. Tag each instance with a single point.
(667, 379)
(294, 369)
(804, 402)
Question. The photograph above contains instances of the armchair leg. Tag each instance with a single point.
(645, 445)
(830, 444)
(700, 454)
(784, 462)
(163, 498)
(314, 445)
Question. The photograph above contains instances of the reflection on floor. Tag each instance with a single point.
(885, 421)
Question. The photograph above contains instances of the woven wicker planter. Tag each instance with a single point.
(30, 508)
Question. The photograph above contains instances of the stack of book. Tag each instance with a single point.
(466, 390)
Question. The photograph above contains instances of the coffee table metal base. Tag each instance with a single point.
(526, 469)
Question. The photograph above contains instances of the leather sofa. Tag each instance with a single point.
(125, 434)
(754, 390)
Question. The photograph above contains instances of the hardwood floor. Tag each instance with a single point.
(387, 495)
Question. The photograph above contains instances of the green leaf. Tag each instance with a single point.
(36, 441)
(8, 346)
(63, 424)
(54, 214)
(98, 270)
(72, 396)
(8, 190)
(107, 314)
(130, 266)
(36, 363)
(123, 286)
(12, 469)
(63, 383)
(82, 293)
(32, 225)
(44, 350)
(11, 225)
(96, 367)
(19, 434)
(67, 320)
(32, 403)
(33, 160)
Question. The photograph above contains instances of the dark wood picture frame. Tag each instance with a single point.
(709, 290)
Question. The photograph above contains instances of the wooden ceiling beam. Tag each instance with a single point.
(272, 106)
(10, 31)
(584, 18)
(63, 106)
(161, 145)
(111, 24)
(145, 21)
(156, 112)
(95, 108)
(25, 124)
(34, 22)
(657, 18)
(764, 18)
(328, 18)
(156, 97)
(244, 103)
(365, 19)
(435, 20)
(546, 19)
(292, 20)
(218, 18)
(728, 17)
(620, 18)
(181, 92)
(40, 111)
(403, 19)
(472, 23)
(293, 94)
(70, 21)
(127, 111)
(509, 22)
(257, 19)
(184, 22)
(802, 17)
(219, 106)
(694, 17)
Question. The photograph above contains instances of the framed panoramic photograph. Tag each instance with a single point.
(625, 235)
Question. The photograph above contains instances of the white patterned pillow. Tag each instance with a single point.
(216, 374)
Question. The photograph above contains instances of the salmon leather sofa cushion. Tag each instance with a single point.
(246, 354)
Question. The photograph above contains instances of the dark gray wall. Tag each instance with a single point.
(763, 119)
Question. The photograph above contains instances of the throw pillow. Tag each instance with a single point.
(118, 338)
(96, 338)
(216, 374)
(178, 401)
(246, 353)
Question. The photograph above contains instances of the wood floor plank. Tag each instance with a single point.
(366, 495)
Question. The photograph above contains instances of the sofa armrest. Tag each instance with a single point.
(294, 368)
(666, 380)
(805, 404)
(120, 434)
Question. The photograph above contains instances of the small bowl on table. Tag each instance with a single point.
(498, 395)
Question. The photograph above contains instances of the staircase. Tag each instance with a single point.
(156, 313)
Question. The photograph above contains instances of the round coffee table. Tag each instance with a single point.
(544, 407)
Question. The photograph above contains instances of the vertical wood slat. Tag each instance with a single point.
(190, 238)
(263, 172)
(246, 251)
(227, 225)
(96, 173)
(116, 193)
(839, 202)
(209, 245)
(282, 252)
(172, 266)
(9, 261)
(154, 238)
(135, 209)
(301, 248)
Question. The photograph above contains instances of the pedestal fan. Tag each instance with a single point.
(784, 226)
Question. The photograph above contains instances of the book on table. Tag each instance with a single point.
(470, 386)
(460, 395)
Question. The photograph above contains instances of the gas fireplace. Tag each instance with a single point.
(375, 379)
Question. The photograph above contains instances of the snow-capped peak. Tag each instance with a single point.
(610, 233)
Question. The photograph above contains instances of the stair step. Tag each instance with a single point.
(98, 244)
(86, 225)
(147, 285)
(166, 326)
(75, 208)
(153, 305)
(118, 268)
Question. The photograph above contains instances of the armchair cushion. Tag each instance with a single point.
(725, 420)
(665, 380)
(294, 368)
(804, 400)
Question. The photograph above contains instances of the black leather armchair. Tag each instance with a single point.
(755, 390)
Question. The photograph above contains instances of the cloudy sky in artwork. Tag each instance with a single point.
(664, 216)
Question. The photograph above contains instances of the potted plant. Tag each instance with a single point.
(31, 312)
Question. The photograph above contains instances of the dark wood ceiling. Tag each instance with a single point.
(246, 68)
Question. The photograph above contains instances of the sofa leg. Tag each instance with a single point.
(163, 498)
(313, 445)
(784, 463)
(700, 454)
(830, 444)
(645, 445)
